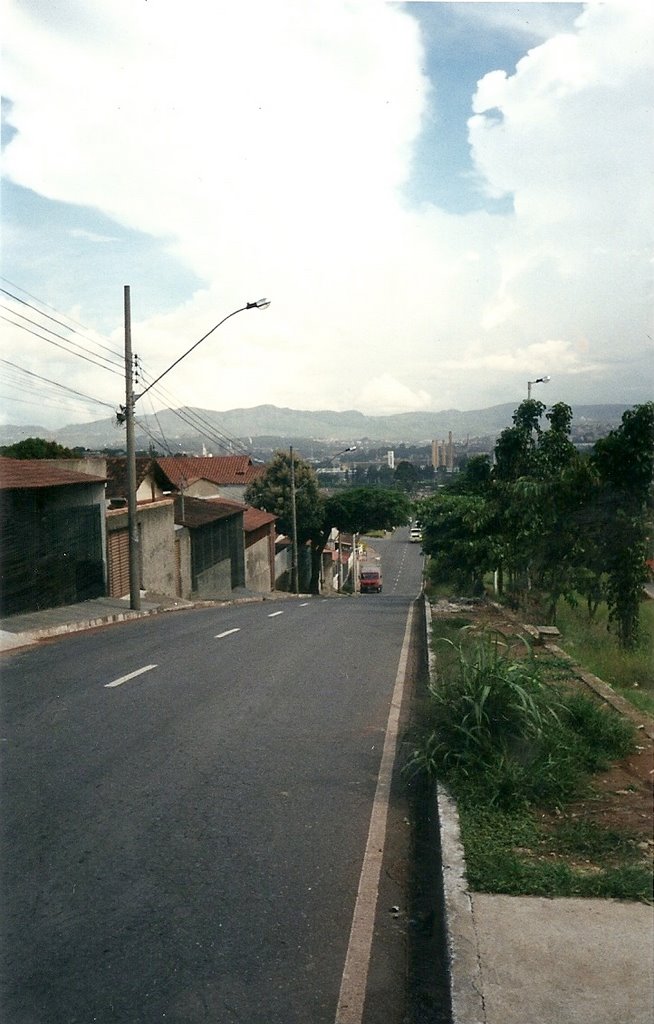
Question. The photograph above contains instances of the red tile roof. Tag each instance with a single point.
(117, 484)
(200, 511)
(255, 518)
(223, 469)
(23, 474)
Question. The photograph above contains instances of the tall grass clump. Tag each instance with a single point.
(498, 736)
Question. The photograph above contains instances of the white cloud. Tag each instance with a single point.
(268, 144)
(556, 355)
(384, 395)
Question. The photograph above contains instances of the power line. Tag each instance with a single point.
(186, 417)
(57, 345)
(201, 423)
(207, 431)
(17, 298)
(153, 437)
(79, 394)
(44, 327)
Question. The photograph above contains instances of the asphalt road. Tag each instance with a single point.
(185, 844)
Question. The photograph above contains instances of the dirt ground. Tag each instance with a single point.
(622, 797)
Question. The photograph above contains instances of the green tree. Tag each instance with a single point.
(516, 446)
(272, 492)
(37, 448)
(361, 509)
(475, 477)
(457, 534)
(406, 476)
(624, 461)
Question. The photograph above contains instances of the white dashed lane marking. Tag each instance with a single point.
(273, 614)
(130, 675)
(228, 632)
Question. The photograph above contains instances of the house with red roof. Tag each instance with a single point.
(221, 476)
(232, 546)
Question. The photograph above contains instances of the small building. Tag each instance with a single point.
(157, 552)
(217, 544)
(225, 476)
(52, 533)
(259, 530)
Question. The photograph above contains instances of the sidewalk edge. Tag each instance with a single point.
(466, 982)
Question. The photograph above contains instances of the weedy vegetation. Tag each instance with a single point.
(513, 750)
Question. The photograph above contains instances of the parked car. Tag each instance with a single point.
(370, 580)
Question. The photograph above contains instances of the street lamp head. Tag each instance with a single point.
(539, 380)
(259, 304)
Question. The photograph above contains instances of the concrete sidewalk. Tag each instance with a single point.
(529, 960)
(30, 627)
(22, 630)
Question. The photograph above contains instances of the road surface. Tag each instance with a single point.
(186, 803)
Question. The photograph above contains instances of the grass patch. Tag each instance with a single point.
(591, 644)
(514, 854)
(511, 748)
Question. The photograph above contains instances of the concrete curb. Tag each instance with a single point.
(606, 692)
(12, 641)
(466, 982)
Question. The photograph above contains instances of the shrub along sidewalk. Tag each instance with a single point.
(553, 789)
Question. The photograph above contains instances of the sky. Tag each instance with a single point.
(442, 201)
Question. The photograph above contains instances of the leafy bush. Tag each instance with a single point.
(500, 737)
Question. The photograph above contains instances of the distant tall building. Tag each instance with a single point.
(442, 454)
(390, 458)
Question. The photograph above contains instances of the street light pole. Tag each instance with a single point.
(352, 448)
(295, 582)
(539, 380)
(126, 416)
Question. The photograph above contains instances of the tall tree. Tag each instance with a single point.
(272, 492)
(624, 461)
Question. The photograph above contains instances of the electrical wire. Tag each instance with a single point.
(200, 422)
(188, 417)
(163, 436)
(64, 387)
(139, 423)
(61, 323)
(109, 369)
(69, 341)
(208, 435)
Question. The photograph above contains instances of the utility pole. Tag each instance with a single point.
(132, 525)
(295, 582)
(128, 418)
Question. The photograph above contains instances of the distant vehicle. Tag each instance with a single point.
(370, 580)
(415, 535)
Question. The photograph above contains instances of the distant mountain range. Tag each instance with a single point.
(277, 426)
